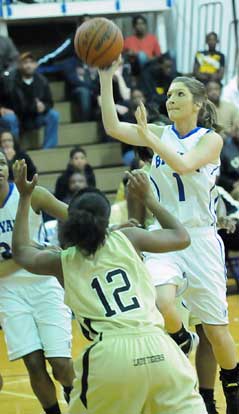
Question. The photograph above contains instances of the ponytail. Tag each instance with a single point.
(207, 116)
(84, 230)
(87, 223)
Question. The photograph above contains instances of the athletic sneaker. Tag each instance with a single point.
(211, 407)
(191, 344)
(231, 392)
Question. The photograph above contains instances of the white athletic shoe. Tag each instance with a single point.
(194, 342)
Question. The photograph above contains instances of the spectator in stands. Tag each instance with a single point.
(141, 46)
(28, 94)
(60, 59)
(227, 112)
(156, 78)
(13, 152)
(8, 54)
(209, 64)
(229, 176)
(77, 163)
(230, 91)
(76, 181)
(82, 84)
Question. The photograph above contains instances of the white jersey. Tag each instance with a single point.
(7, 217)
(192, 197)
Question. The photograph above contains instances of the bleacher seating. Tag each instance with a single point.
(105, 158)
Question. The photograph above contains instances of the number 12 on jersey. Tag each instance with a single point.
(117, 293)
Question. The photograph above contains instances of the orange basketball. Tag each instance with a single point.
(98, 42)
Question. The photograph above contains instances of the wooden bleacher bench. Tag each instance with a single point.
(105, 158)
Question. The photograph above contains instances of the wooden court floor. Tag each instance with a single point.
(17, 397)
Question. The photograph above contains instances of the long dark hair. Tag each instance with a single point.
(207, 116)
(88, 219)
(16, 145)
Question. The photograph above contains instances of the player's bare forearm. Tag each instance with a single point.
(109, 114)
(21, 246)
(32, 258)
(7, 267)
(123, 131)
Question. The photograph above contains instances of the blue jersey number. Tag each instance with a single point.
(181, 192)
(5, 251)
(117, 293)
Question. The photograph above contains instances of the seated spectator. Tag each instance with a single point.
(230, 92)
(13, 152)
(8, 54)
(76, 181)
(227, 112)
(141, 46)
(82, 85)
(229, 175)
(28, 95)
(156, 79)
(77, 163)
(209, 64)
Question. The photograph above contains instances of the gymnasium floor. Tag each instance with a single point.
(17, 398)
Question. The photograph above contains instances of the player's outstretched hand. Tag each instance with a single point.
(139, 185)
(24, 187)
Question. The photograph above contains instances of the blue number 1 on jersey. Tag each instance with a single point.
(181, 192)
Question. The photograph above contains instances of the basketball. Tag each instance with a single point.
(98, 42)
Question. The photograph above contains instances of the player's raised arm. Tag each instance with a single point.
(172, 236)
(122, 131)
(25, 253)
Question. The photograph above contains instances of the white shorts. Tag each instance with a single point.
(198, 272)
(33, 316)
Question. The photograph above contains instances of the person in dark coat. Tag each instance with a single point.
(26, 101)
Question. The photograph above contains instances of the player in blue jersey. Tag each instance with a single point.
(184, 167)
